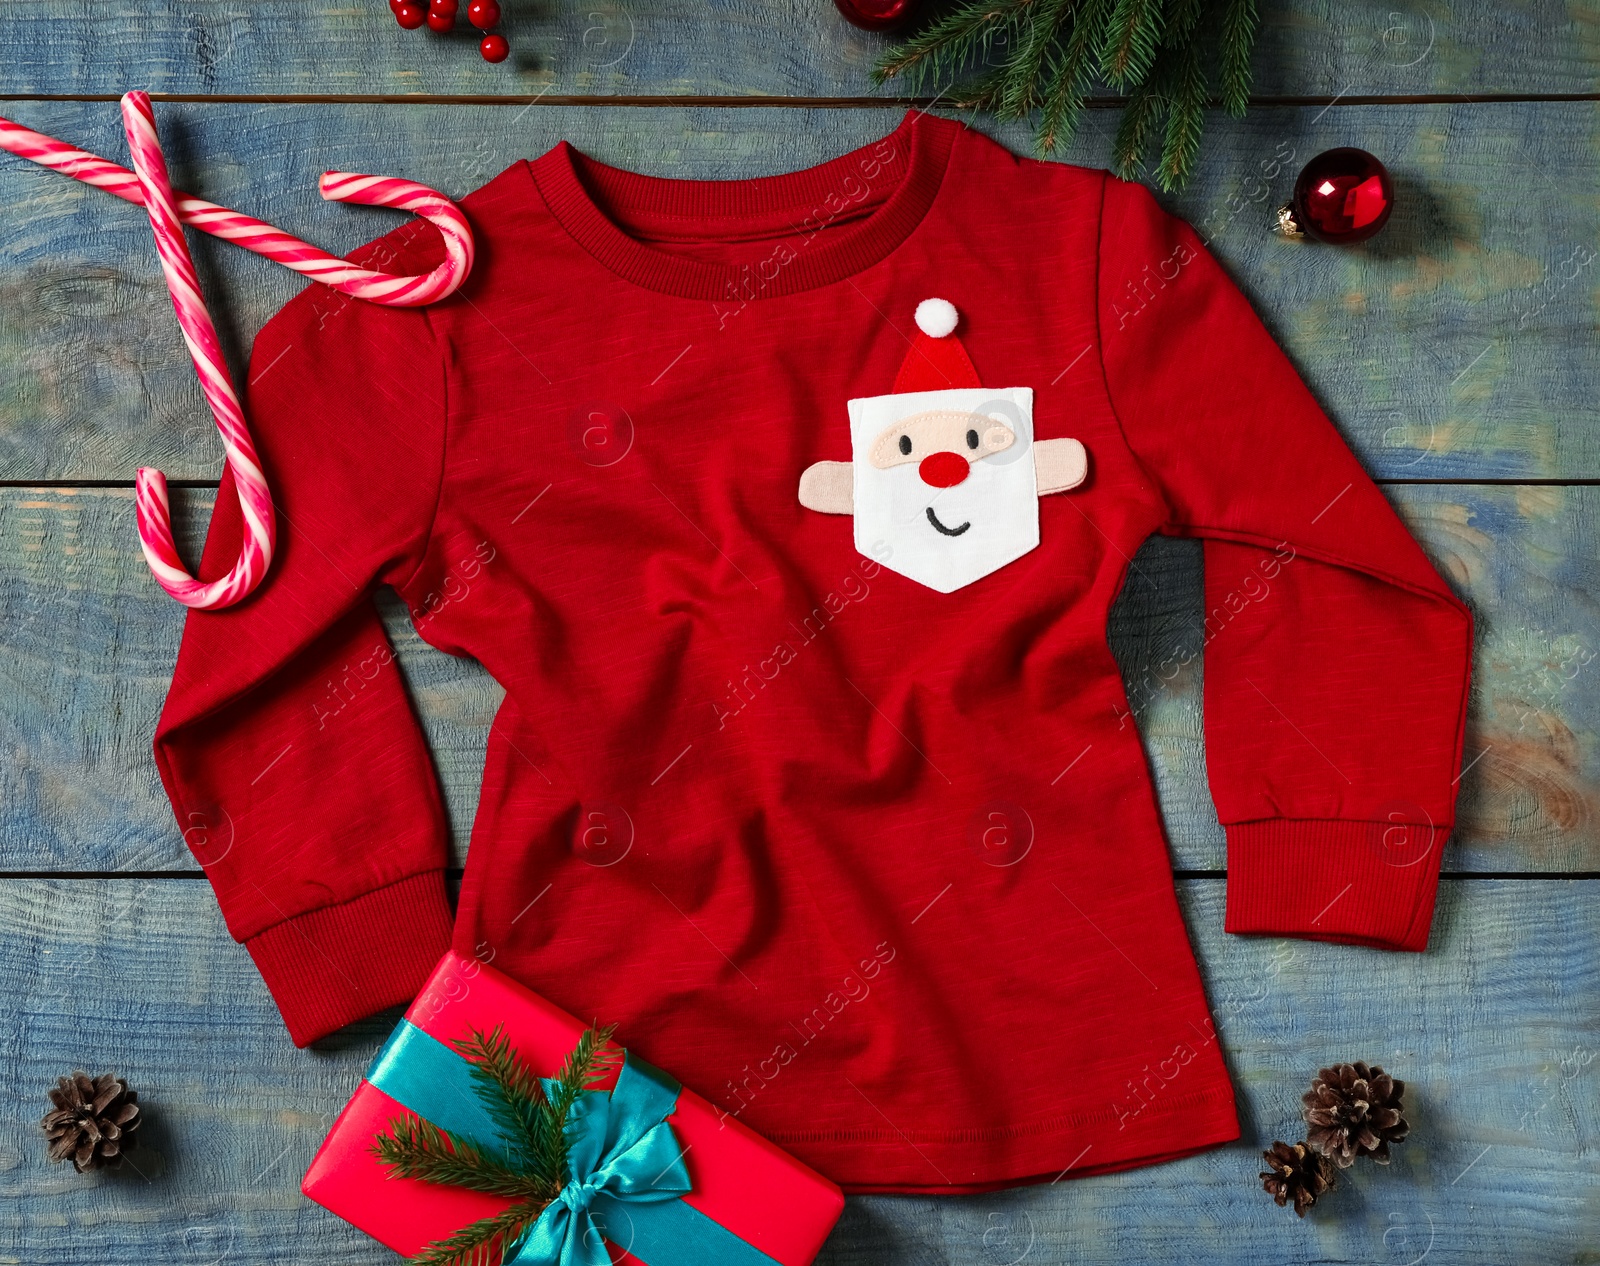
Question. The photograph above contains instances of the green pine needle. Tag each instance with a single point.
(1035, 35)
(486, 1242)
(1139, 119)
(1016, 58)
(1070, 71)
(957, 40)
(415, 1148)
(1185, 119)
(1183, 82)
(1183, 17)
(1132, 39)
(1238, 37)
(586, 1064)
(983, 93)
(511, 1093)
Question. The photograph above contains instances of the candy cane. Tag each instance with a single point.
(148, 185)
(153, 510)
(262, 238)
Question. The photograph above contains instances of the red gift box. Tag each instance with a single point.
(748, 1201)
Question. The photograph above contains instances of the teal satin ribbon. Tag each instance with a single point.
(627, 1171)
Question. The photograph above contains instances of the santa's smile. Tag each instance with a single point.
(948, 531)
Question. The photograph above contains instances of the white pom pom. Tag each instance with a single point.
(936, 317)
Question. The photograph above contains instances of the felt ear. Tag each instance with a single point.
(829, 487)
(1059, 465)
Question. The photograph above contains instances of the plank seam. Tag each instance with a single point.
(743, 102)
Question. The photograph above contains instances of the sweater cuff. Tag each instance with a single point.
(330, 967)
(1356, 883)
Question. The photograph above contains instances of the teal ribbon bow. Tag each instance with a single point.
(627, 1174)
(619, 1149)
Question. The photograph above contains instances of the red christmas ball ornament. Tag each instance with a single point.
(1341, 196)
(494, 48)
(483, 13)
(877, 15)
(410, 15)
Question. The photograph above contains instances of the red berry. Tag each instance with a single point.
(441, 22)
(395, 4)
(494, 48)
(483, 13)
(443, 6)
(410, 15)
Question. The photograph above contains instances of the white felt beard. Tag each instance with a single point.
(999, 498)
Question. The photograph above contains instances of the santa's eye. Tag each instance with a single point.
(972, 439)
(905, 445)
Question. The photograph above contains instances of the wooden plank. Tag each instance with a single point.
(89, 641)
(1458, 345)
(738, 48)
(1492, 1030)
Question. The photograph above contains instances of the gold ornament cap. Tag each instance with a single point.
(1287, 225)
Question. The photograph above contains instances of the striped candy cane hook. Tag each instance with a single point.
(250, 485)
(273, 243)
(147, 184)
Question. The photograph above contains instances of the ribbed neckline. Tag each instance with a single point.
(816, 203)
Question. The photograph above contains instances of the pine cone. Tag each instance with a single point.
(1354, 1111)
(93, 1121)
(1297, 1173)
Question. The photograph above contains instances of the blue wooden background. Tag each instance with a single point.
(1457, 352)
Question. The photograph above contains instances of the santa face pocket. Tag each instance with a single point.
(944, 485)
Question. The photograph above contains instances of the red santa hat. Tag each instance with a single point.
(937, 360)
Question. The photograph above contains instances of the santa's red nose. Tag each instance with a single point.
(943, 470)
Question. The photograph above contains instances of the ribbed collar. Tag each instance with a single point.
(898, 177)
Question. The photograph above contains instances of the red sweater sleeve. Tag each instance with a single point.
(287, 745)
(1336, 659)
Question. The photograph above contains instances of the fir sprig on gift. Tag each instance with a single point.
(512, 1094)
(589, 1061)
(415, 1148)
(1021, 58)
(486, 1242)
(529, 1165)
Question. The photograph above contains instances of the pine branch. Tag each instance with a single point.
(1238, 37)
(1182, 24)
(1185, 119)
(486, 1242)
(585, 1064)
(1071, 69)
(511, 1093)
(1183, 84)
(1153, 50)
(948, 45)
(982, 93)
(590, 1060)
(1139, 119)
(534, 1124)
(1036, 35)
(415, 1148)
(1132, 40)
